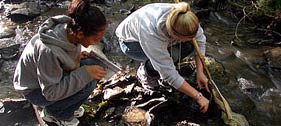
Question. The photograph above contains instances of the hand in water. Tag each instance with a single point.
(204, 104)
(202, 81)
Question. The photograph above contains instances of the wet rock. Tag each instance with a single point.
(109, 112)
(23, 12)
(202, 13)
(129, 11)
(110, 93)
(7, 33)
(273, 57)
(246, 84)
(8, 24)
(272, 96)
(2, 9)
(249, 88)
(63, 4)
(270, 102)
(6, 42)
(123, 104)
(201, 3)
(260, 41)
(136, 117)
(2, 108)
(7, 29)
(8, 67)
(217, 71)
(220, 17)
(9, 52)
(186, 123)
(108, 3)
(18, 112)
(119, 80)
(113, 93)
(217, 4)
(110, 40)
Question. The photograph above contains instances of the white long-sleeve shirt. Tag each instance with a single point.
(147, 26)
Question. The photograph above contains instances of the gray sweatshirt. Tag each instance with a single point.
(50, 62)
(147, 26)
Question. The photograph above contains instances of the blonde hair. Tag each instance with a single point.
(181, 23)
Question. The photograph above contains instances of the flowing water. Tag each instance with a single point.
(250, 91)
(253, 92)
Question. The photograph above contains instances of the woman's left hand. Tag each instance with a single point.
(84, 55)
(202, 81)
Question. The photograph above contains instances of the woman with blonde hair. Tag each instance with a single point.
(154, 35)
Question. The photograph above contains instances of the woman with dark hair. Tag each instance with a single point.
(53, 73)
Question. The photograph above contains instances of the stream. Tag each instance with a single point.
(250, 89)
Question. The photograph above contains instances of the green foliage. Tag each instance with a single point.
(103, 103)
(269, 6)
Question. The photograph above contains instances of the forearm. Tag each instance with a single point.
(199, 65)
(187, 89)
(202, 80)
(197, 96)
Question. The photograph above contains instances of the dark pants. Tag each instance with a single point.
(64, 109)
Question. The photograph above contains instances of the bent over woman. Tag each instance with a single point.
(150, 35)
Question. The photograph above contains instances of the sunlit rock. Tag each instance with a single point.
(23, 12)
(186, 123)
(136, 117)
(110, 93)
(7, 28)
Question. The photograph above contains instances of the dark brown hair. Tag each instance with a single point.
(88, 19)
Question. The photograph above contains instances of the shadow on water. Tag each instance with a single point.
(251, 91)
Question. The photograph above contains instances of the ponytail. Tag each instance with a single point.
(85, 18)
(181, 23)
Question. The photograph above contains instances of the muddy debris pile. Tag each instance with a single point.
(121, 100)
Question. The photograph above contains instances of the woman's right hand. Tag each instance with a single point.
(204, 104)
(96, 71)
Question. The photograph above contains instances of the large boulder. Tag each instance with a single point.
(24, 12)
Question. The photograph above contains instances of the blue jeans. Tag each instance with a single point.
(134, 51)
(64, 109)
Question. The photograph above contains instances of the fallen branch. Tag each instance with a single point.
(237, 25)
